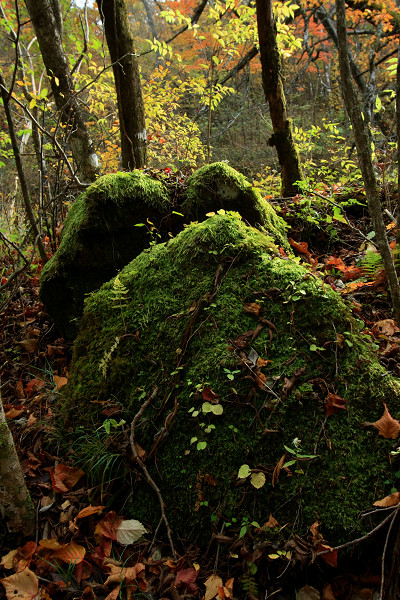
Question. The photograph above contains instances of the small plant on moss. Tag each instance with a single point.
(298, 457)
(119, 293)
(152, 230)
(245, 526)
(231, 374)
(105, 361)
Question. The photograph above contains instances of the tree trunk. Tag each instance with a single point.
(271, 65)
(46, 22)
(127, 83)
(363, 146)
(16, 505)
(398, 143)
(20, 169)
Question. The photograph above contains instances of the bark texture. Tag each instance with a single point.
(271, 66)
(16, 505)
(127, 82)
(45, 15)
(361, 138)
(20, 170)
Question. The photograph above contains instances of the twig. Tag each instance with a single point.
(366, 238)
(360, 539)
(144, 468)
(394, 515)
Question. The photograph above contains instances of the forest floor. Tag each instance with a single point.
(74, 552)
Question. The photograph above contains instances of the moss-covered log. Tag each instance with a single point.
(246, 348)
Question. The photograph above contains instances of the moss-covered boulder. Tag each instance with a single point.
(219, 186)
(253, 358)
(100, 236)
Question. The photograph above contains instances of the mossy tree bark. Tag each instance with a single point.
(120, 43)
(271, 65)
(15, 502)
(363, 146)
(45, 17)
(5, 96)
(398, 141)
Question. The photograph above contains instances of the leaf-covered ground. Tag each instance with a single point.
(84, 547)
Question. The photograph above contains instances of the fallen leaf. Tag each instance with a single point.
(186, 578)
(228, 588)
(7, 561)
(252, 308)
(63, 478)
(387, 426)
(301, 247)
(89, 510)
(391, 500)
(60, 381)
(257, 480)
(126, 574)
(51, 544)
(71, 553)
(277, 469)
(107, 527)
(129, 531)
(29, 344)
(330, 557)
(208, 395)
(213, 583)
(334, 404)
(327, 592)
(271, 523)
(308, 593)
(386, 328)
(244, 472)
(23, 556)
(14, 412)
(21, 586)
(19, 390)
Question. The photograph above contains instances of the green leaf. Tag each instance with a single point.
(257, 480)
(201, 445)
(217, 409)
(244, 472)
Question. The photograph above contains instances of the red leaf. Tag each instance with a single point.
(186, 578)
(63, 478)
(107, 527)
(208, 395)
(334, 404)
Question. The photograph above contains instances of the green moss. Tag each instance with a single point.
(215, 268)
(100, 237)
(218, 186)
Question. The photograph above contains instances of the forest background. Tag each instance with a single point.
(204, 101)
(202, 88)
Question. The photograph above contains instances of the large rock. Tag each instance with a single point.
(100, 236)
(101, 233)
(219, 186)
(249, 352)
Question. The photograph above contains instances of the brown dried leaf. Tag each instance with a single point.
(387, 426)
(252, 308)
(277, 469)
(334, 404)
(387, 329)
(213, 583)
(391, 500)
(21, 586)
